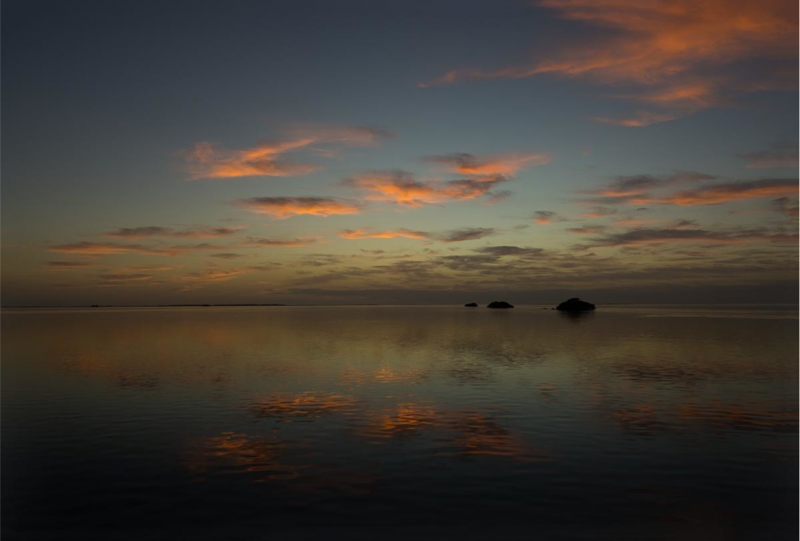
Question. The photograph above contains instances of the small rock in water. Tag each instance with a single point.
(499, 304)
(575, 305)
(471, 305)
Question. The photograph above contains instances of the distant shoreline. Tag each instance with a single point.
(243, 305)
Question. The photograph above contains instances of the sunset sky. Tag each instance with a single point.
(319, 152)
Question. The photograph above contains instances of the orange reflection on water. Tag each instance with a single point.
(405, 420)
(477, 434)
(457, 433)
(304, 407)
(737, 416)
(241, 453)
(353, 376)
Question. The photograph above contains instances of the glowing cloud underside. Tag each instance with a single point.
(281, 208)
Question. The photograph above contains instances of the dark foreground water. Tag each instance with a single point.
(372, 423)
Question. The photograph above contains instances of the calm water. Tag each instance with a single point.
(273, 423)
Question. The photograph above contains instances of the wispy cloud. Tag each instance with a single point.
(547, 217)
(679, 56)
(367, 233)
(403, 188)
(68, 265)
(227, 255)
(670, 235)
(599, 212)
(516, 251)
(782, 156)
(285, 243)
(786, 205)
(281, 208)
(108, 248)
(209, 161)
(723, 193)
(455, 235)
(468, 233)
(202, 232)
(630, 186)
(586, 230)
(104, 248)
(507, 165)
(116, 278)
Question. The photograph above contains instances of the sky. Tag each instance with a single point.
(415, 152)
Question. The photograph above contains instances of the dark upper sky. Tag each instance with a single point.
(209, 151)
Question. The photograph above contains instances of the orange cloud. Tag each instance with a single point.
(454, 235)
(207, 160)
(639, 120)
(281, 208)
(723, 193)
(507, 165)
(403, 188)
(389, 234)
(682, 55)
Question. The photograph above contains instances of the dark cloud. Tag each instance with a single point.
(547, 217)
(468, 233)
(227, 255)
(68, 265)
(501, 251)
(288, 243)
(657, 236)
(156, 231)
(786, 205)
(782, 155)
(124, 277)
(726, 192)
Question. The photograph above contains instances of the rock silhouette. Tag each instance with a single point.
(499, 304)
(575, 305)
(471, 305)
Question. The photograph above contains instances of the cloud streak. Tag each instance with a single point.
(280, 208)
(679, 56)
(290, 243)
(672, 235)
(547, 217)
(455, 235)
(784, 156)
(209, 161)
(724, 193)
(507, 165)
(403, 188)
(155, 231)
(386, 234)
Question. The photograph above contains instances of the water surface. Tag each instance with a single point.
(250, 423)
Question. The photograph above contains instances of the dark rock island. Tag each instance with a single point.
(499, 304)
(471, 305)
(575, 305)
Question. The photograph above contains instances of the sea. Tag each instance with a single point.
(629, 423)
